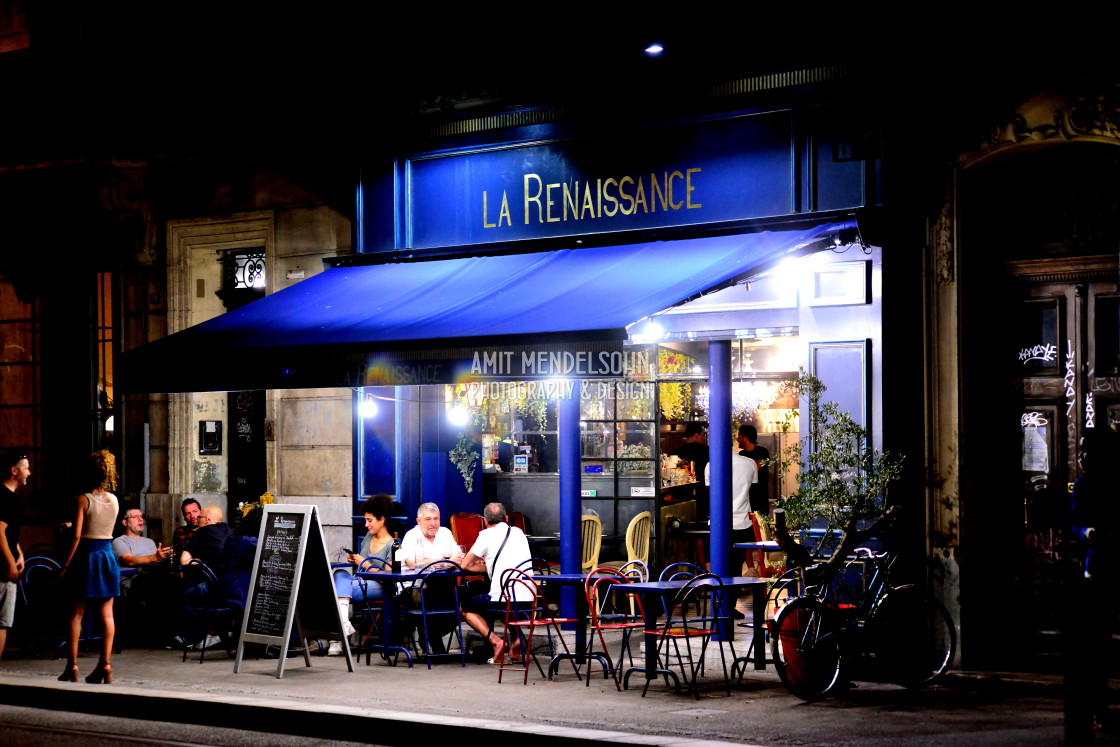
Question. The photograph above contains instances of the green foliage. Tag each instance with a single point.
(464, 456)
(840, 477)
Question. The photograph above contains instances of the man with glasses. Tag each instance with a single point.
(145, 595)
(134, 549)
(16, 470)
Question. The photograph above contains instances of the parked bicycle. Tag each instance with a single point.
(859, 624)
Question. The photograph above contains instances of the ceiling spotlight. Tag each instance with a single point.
(654, 49)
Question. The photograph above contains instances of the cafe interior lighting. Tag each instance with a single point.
(368, 408)
(458, 415)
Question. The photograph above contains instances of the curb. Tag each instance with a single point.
(277, 716)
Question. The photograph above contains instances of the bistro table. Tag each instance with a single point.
(652, 594)
(390, 612)
(576, 580)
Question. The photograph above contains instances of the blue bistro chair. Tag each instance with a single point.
(435, 597)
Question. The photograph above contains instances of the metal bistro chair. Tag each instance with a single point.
(208, 602)
(591, 530)
(368, 613)
(527, 610)
(437, 587)
(699, 601)
(610, 608)
(38, 620)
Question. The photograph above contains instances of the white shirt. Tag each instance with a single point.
(414, 539)
(515, 552)
(744, 471)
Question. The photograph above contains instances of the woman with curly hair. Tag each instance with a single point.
(90, 570)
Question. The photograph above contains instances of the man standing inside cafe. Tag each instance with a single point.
(16, 470)
(760, 490)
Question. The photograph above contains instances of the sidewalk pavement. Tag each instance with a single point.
(394, 705)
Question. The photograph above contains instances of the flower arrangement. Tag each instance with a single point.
(244, 507)
(676, 398)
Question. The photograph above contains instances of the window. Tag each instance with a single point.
(103, 336)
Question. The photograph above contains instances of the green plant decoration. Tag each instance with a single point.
(840, 478)
(464, 456)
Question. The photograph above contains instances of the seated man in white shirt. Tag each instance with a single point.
(499, 546)
(427, 541)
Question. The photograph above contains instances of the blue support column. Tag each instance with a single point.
(719, 444)
(719, 466)
(571, 552)
(571, 505)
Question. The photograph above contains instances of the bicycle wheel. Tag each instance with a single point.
(913, 636)
(805, 648)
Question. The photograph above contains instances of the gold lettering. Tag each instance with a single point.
(549, 202)
(598, 197)
(504, 213)
(571, 199)
(688, 188)
(640, 197)
(655, 193)
(484, 223)
(536, 198)
(610, 198)
(587, 202)
(622, 194)
(674, 175)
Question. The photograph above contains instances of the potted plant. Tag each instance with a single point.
(840, 478)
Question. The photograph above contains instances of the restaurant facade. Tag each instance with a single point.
(665, 270)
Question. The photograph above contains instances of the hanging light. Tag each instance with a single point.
(458, 415)
(368, 408)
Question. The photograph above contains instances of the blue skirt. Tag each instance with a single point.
(94, 573)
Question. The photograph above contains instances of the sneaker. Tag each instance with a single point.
(347, 628)
(210, 642)
(335, 649)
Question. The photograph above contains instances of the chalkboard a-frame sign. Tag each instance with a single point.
(291, 583)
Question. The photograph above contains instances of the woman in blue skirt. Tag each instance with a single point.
(90, 570)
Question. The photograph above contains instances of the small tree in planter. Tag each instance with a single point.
(840, 478)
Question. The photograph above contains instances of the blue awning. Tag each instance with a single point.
(418, 321)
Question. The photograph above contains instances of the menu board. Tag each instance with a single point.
(277, 554)
(291, 586)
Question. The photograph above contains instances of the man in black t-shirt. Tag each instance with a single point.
(695, 448)
(16, 471)
(760, 491)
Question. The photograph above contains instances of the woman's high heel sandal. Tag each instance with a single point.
(70, 674)
(102, 674)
